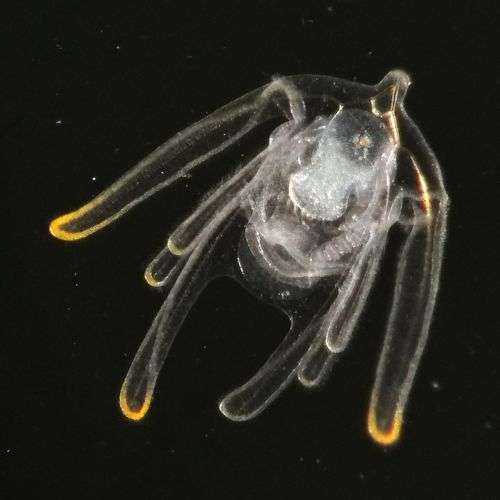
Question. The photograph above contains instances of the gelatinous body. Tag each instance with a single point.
(302, 223)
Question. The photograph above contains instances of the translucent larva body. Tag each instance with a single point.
(302, 223)
(323, 198)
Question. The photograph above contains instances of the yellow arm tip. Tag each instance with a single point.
(57, 230)
(57, 226)
(150, 280)
(130, 413)
(173, 248)
(384, 438)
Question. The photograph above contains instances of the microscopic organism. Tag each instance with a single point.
(302, 222)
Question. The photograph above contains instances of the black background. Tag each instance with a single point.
(91, 87)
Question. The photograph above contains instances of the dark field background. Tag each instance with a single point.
(92, 87)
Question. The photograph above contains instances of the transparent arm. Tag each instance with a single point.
(303, 352)
(341, 318)
(190, 272)
(179, 155)
(415, 292)
(137, 389)
(344, 314)
(159, 271)
(191, 276)
(226, 198)
(250, 399)
(184, 236)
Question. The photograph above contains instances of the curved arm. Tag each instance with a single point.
(199, 142)
(179, 155)
(416, 287)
